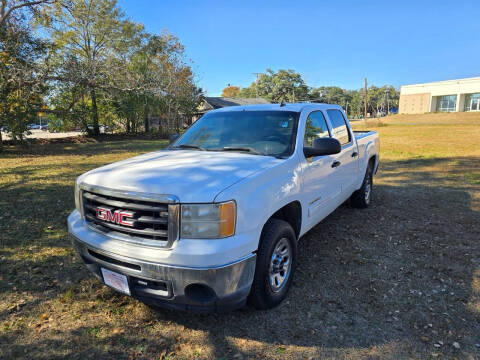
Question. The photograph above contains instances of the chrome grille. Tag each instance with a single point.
(153, 223)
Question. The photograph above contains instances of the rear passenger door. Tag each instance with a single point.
(346, 168)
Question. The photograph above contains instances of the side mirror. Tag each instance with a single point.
(323, 146)
(173, 138)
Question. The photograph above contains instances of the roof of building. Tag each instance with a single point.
(445, 87)
(219, 102)
(445, 82)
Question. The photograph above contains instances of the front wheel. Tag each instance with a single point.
(363, 196)
(275, 266)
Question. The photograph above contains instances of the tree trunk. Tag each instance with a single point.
(1, 142)
(168, 121)
(85, 125)
(146, 120)
(93, 96)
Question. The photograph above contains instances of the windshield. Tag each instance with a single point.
(270, 133)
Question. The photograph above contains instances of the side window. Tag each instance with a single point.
(339, 126)
(316, 127)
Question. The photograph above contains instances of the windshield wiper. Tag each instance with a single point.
(233, 148)
(188, 146)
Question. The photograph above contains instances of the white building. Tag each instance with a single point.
(449, 95)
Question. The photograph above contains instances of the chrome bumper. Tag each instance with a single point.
(216, 288)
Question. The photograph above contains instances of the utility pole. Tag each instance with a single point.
(365, 105)
(256, 82)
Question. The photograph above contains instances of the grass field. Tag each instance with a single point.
(400, 279)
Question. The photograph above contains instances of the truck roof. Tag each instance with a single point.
(296, 107)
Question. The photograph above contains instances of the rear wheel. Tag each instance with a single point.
(275, 265)
(363, 196)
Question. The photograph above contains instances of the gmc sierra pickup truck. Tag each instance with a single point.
(214, 219)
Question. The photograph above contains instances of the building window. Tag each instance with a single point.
(472, 102)
(446, 103)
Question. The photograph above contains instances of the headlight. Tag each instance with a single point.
(208, 221)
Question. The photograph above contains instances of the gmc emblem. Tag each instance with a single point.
(118, 216)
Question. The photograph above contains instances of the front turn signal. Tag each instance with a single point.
(228, 214)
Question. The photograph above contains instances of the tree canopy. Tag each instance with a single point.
(283, 85)
(289, 86)
(90, 65)
(231, 91)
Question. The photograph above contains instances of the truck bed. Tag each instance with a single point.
(363, 134)
(368, 139)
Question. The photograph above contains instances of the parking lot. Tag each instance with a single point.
(398, 280)
(41, 134)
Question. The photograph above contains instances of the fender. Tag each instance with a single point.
(261, 195)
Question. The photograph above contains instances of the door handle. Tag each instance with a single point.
(336, 164)
(354, 154)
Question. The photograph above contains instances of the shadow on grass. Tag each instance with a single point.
(399, 272)
(79, 346)
(89, 148)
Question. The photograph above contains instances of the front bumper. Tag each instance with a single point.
(220, 288)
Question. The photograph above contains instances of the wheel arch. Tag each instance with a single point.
(373, 160)
(290, 213)
(370, 157)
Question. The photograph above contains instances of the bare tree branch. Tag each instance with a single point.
(5, 13)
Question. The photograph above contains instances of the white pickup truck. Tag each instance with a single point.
(215, 218)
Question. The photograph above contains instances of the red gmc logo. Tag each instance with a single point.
(118, 216)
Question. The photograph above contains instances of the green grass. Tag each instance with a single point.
(356, 293)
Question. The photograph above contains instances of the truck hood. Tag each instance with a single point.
(192, 176)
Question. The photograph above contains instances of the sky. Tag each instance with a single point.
(331, 43)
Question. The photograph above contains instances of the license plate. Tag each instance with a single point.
(115, 280)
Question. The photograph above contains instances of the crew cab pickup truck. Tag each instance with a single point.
(214, 219)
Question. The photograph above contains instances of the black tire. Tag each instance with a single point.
(276, 234)
(362, 197)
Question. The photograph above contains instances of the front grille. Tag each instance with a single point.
(150, 220)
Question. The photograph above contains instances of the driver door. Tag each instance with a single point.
(320, 189)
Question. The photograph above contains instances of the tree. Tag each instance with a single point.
(328, 94)
(231, 91)
(23, 66)
(176, 84)
(355, 104)
(100, 66)
(89, 34)
(248, 92)
(353, 100)
(392, 96)
(163, 84)
(283, 85)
